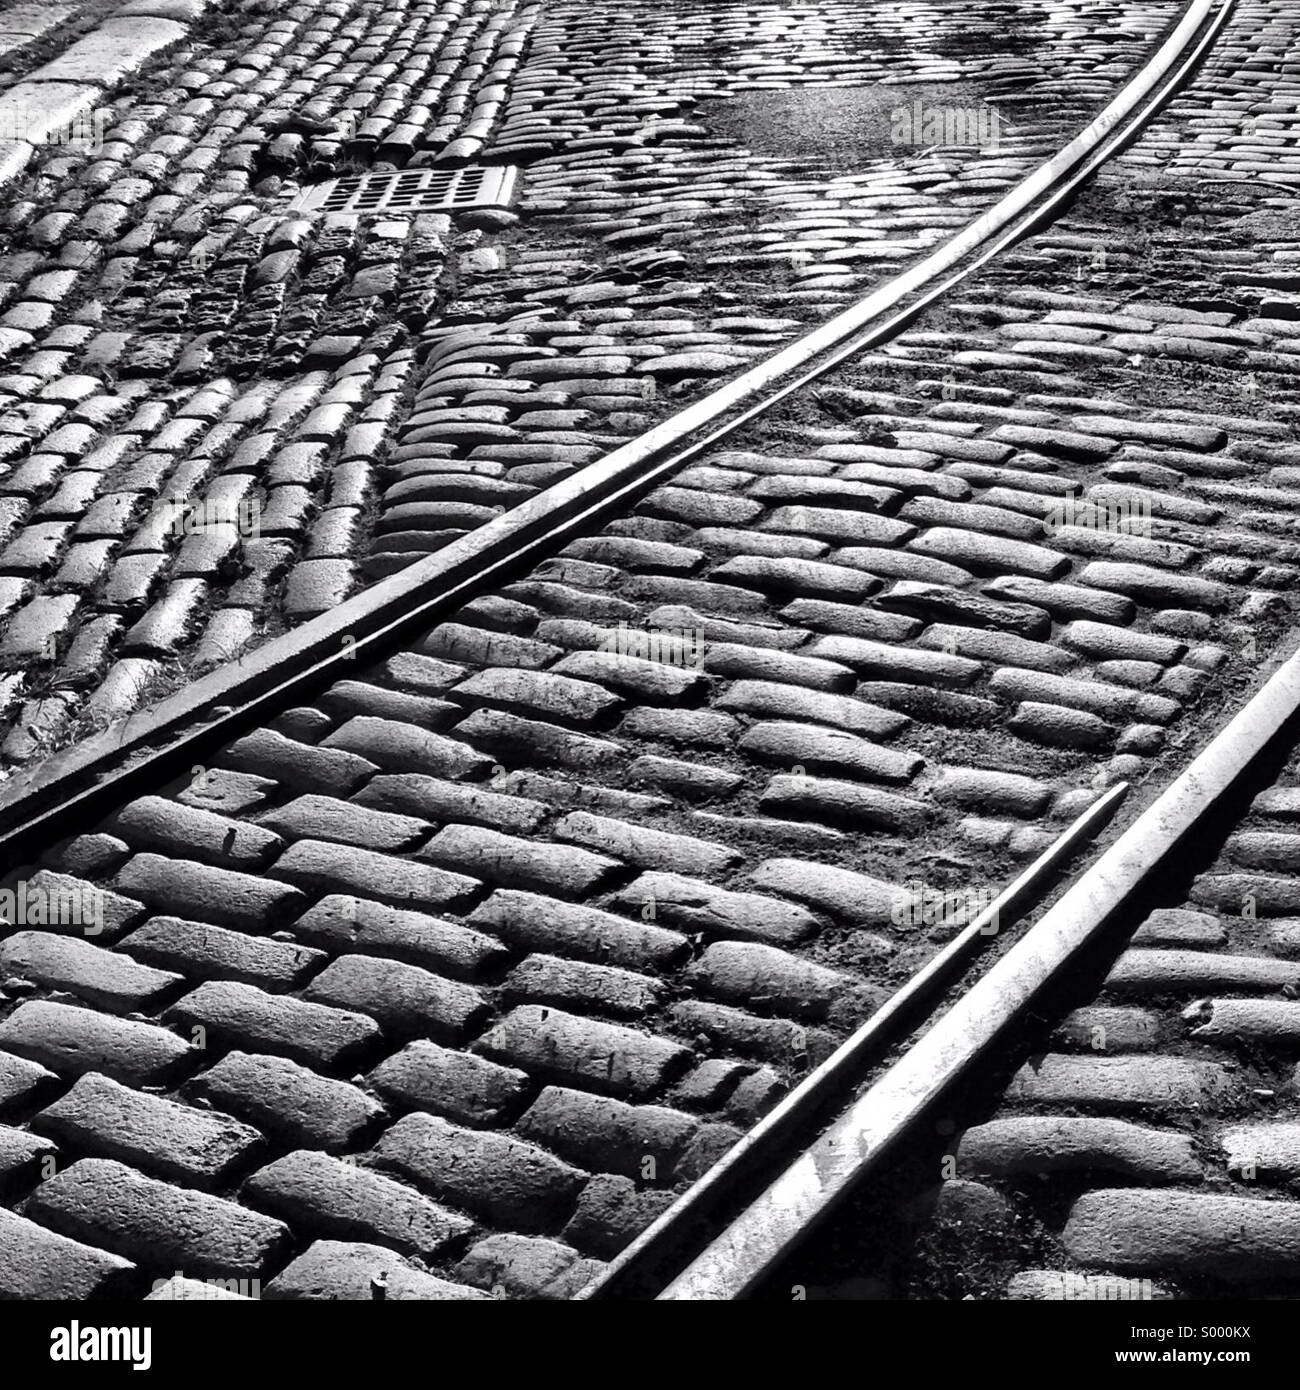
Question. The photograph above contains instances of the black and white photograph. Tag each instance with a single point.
(649, 652)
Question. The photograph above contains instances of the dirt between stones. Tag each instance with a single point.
(838, 128)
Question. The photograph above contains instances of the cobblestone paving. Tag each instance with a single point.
(454, 977)
(1149, 1151)
(1161, 1126)
(218, 419)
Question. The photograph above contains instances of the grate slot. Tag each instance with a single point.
(412, 190)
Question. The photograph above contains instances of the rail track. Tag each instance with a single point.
(221, 807)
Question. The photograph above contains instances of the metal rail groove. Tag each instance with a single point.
(149, 748)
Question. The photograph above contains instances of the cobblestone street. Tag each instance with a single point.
(446, 981)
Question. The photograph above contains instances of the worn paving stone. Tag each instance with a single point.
(227, 1014)
(156, 823)
(355, 1271)
(631, 676)
(327, 818)
(71, 1041)
(101, 1201)
(879, 659)
(510, 737)
(497, 1176)
(469, 646)
(194, 1147)
(516, 1266)
(1274, 1021)
(207, 893)
(1264, 1150)
(1148, 585)
(852, 897)
(828, 750)
(542, 693)
(314, 865)
(21, 1082)
(341, 922)
(346, 698)
(37, 1263)
(781, 1041)
(326, 1196)
(405, 748)
(113, 982)
(509, 862)
(581, 985)
(645, 847)
(1060, 727)
(1168, 971)
(1109, 1028)
(1132, 1082)
(1004, 626)
(761, 976)
(22, 1155)
(757, 664)
(695, 906)
(838, 801)
(528, 921)
(303, 766)
(1267, 895)
(608, 1135)
(227, 793)
(1174, 926)
(1176, 1234)
(458, 1085)
(200, 951)
(1042, 1144)
(611, 1212)
(434, 799)
(777, 701)
(289, 1103)
(405, 999)
(74, 905)
(603, 1057)
(992, 791)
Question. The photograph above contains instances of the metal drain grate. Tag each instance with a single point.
(413, 190)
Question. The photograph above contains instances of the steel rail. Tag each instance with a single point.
(149, 748)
